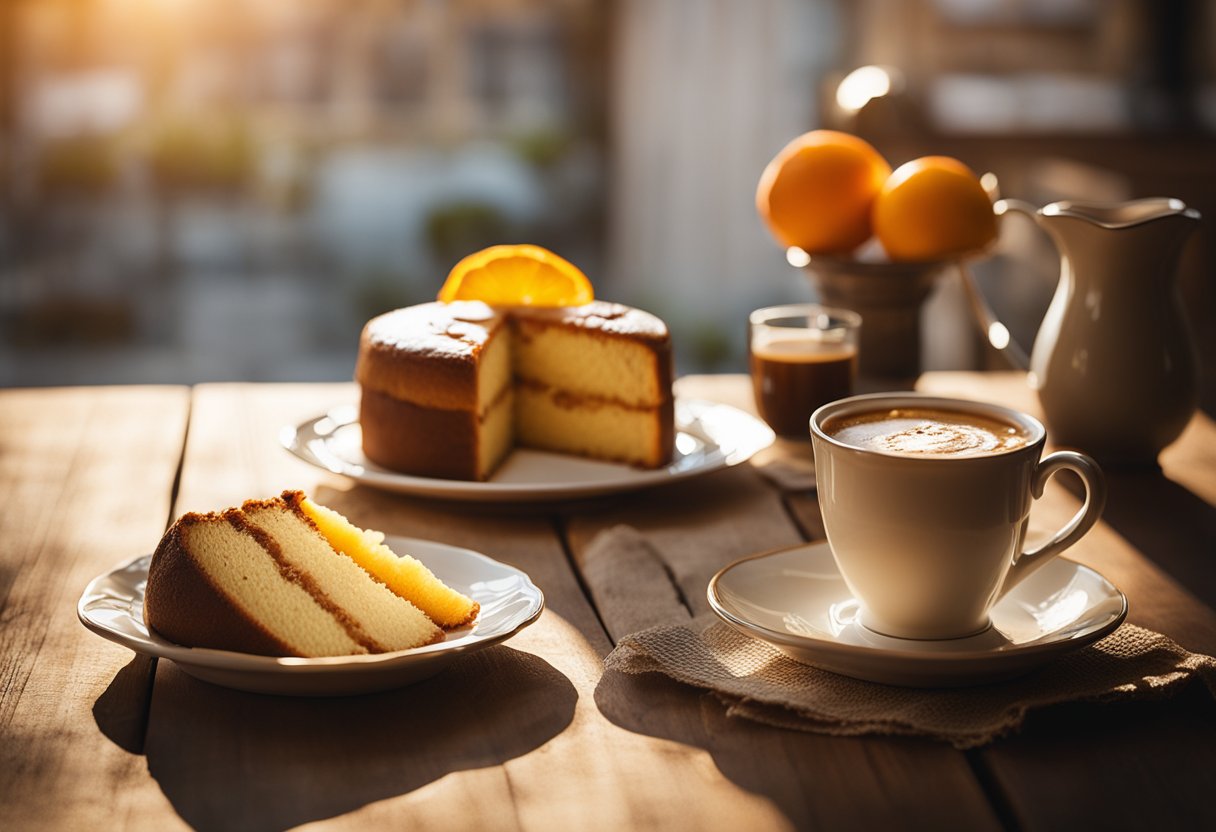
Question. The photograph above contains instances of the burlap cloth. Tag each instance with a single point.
(655, 633)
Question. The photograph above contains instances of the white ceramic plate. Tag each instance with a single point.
(796, 600)
(709, 436)
(113, 605)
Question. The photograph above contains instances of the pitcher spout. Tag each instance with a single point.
(1116, 216)
(1111, 216)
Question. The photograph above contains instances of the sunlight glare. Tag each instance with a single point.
(797, 258)
(998, 335)
(861, 85)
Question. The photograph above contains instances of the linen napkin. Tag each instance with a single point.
(757, 681)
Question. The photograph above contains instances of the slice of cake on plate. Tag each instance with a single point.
(264, 579)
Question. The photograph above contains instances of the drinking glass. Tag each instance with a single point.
(801, 356)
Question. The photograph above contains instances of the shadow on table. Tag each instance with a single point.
(357, 498)
(229, 760)
(1168, 523)
(815, 781)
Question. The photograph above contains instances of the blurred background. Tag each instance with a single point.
(198, 190)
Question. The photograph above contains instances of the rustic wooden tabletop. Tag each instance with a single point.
(531, 734)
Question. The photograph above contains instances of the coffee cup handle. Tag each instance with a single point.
(1081, 522)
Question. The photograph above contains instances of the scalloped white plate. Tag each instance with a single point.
(797, 601)
(709, 436)
(113, 604)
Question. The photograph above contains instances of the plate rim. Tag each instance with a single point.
(836, 649)
(295, 440)
(236, 662)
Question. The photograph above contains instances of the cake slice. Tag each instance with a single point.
(405, 575)
(263, 579)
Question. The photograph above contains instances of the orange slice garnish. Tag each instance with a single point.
(517, 275)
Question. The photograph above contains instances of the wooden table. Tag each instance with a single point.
(531, 734)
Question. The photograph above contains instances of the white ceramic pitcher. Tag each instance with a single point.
(1114, 362)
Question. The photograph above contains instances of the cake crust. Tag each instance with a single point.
(421, 409)
(602, 318)
(391, 428)
(215, 587)
(427, 354)
(182, 604)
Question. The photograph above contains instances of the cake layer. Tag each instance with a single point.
(609, 365)
(376, 617)
(403, 574)
(433, 442)
(598, 428)
(436, 355)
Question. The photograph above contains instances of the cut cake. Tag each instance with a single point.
(449, 388)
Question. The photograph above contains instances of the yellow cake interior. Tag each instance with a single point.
(406, 576)
(577, 393)
(582, 363)
(390, 622)
(495, 403)
(236, 565)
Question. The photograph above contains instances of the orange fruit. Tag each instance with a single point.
(933, 208)
(517, 275)
(817, 192)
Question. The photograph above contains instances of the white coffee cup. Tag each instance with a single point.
(928, 542)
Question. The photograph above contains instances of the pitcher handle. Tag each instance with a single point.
(995, 332)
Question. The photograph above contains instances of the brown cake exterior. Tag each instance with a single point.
(394, 431)
(264, 579)
(418, 373)
(601, 318)
(427, 354)
(181, 603)
(422, 410)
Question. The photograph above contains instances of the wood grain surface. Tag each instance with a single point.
(532, 734)
(87, 476)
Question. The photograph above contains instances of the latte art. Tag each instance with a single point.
(926, 432)
(930, 438)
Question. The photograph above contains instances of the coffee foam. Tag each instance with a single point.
(806, 347)
(795, 351)
(926, 432)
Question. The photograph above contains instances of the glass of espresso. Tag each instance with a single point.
(801, 356)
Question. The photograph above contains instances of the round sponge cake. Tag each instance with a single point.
(449, 389)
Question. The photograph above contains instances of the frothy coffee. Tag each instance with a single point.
(930, 432)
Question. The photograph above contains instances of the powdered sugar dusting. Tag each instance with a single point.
(459, 328)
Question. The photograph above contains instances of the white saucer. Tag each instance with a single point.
(113, 607)
(796, 600)
(709, 436)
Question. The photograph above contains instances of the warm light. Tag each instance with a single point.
(990, 185)
(861, 85)
(686, 444)
(797, 258)
(1060, 610)
(998, 335)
